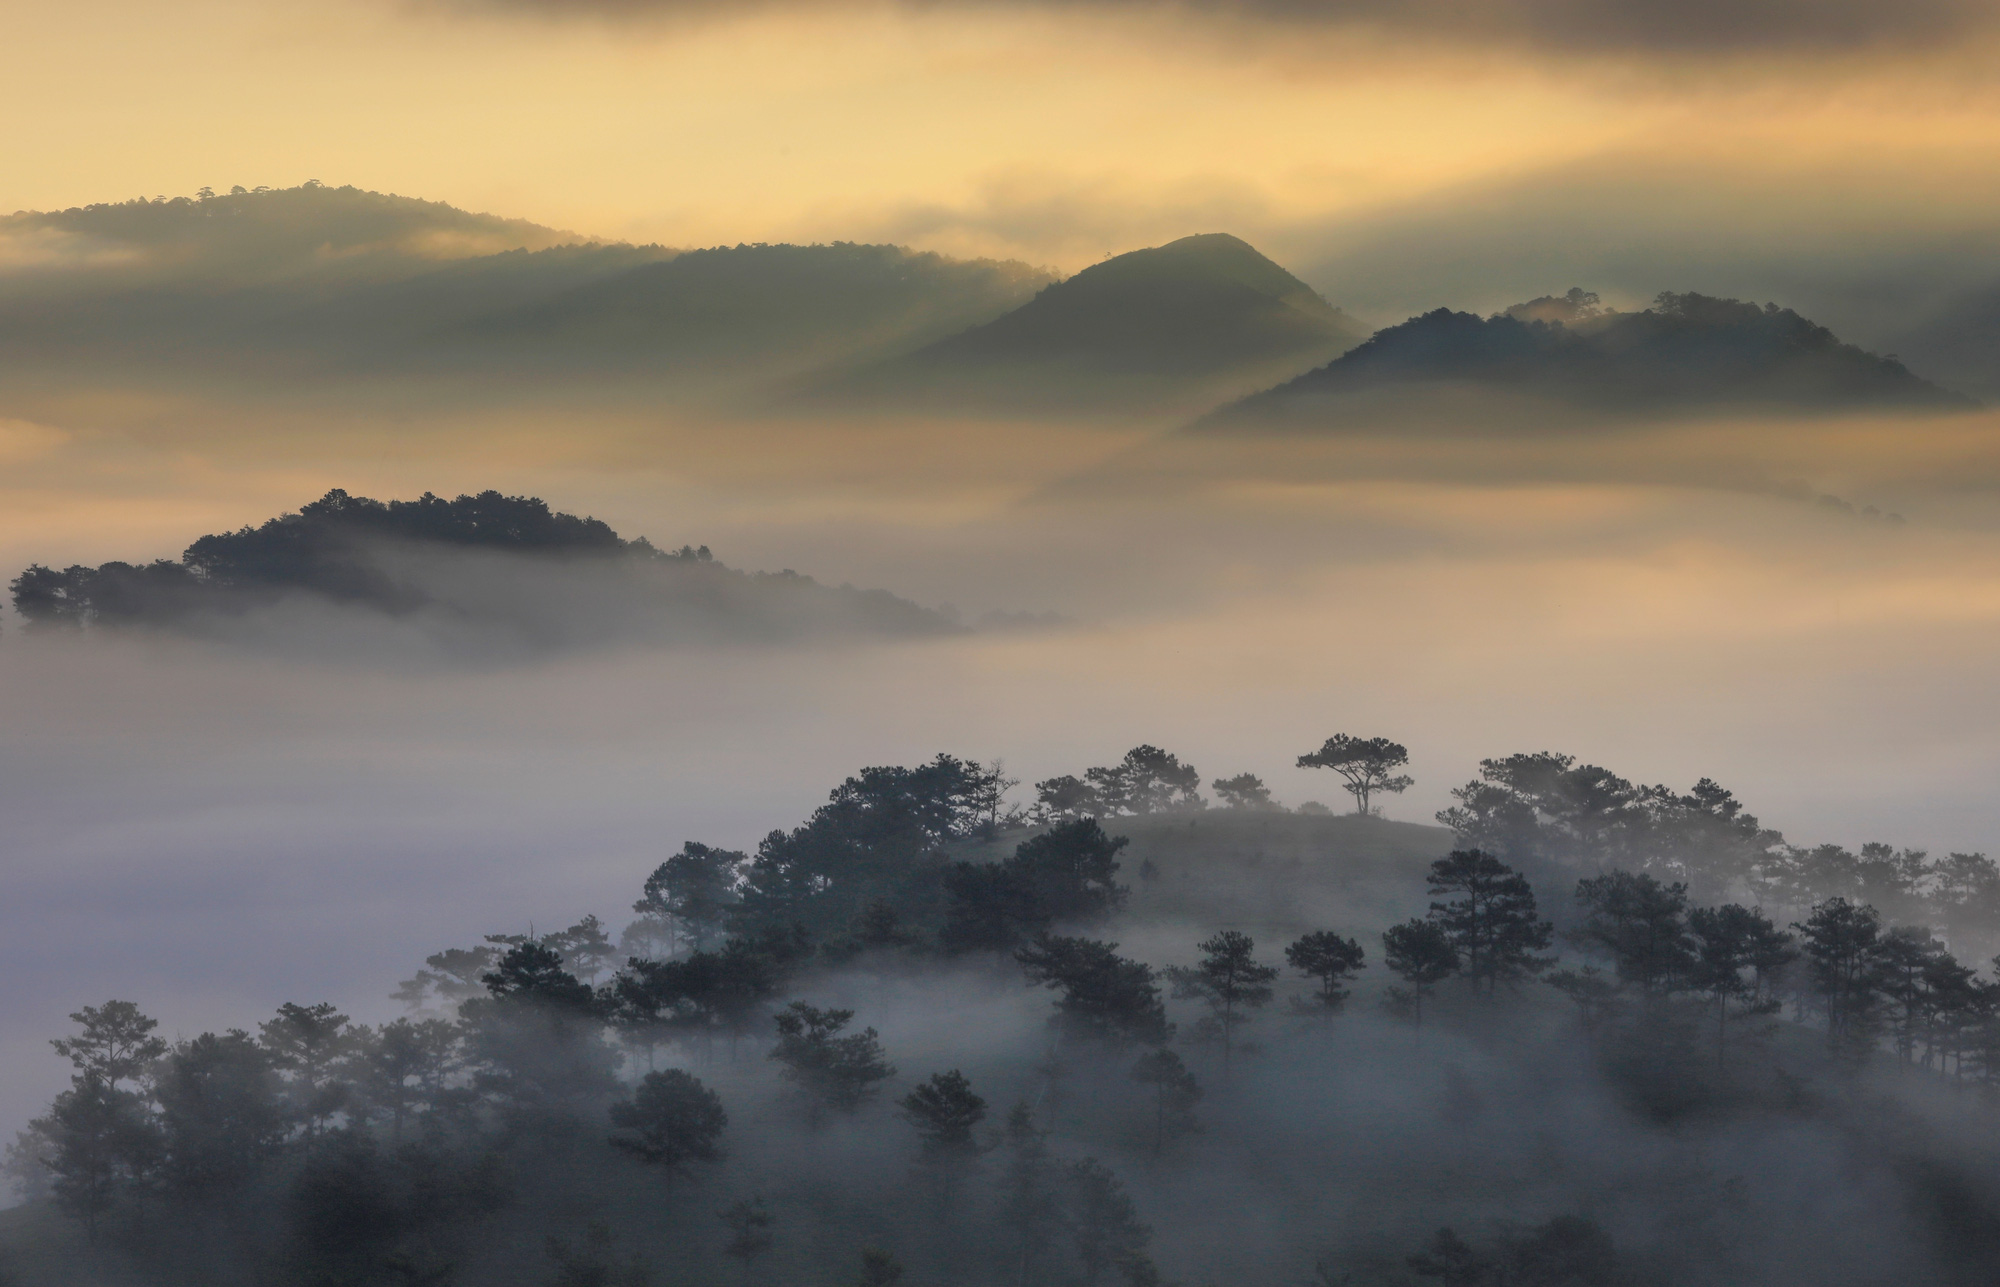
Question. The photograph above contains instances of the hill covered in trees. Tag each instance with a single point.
(1585, 1033)
(1559, 356)
(483, 573)
(1195, 317)
(321, 286)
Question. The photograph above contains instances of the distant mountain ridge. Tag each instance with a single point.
(476, 574)
(1204, 311)
(1688, 352)
(329, 285)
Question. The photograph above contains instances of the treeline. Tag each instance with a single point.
(328, 548)
(533, 1071)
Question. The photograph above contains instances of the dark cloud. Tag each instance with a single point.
(1697, 27)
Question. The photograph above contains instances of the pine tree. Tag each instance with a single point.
(1105, 997)
(1489, 919)
(1421, 954)
(1329, 958)
(1230, 979)
(1642, 926)
(834, 1073)
(1840, 941)
(671, 1120)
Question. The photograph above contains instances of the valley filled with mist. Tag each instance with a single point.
(473, 698)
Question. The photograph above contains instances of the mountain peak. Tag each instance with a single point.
(1687, 353)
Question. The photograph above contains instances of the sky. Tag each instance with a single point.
(220, 831)
(1049, 132)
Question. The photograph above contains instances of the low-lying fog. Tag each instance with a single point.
(212, 830)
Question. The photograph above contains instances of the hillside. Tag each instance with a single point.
(1273, 875)
(1688, 353)
(481, 576)
(783, 306)
(263, 292)
(1197, 315)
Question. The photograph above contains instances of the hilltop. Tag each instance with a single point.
(476, 575)
(1197, 315)
(1687, 353)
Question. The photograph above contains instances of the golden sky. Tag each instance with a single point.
(1052, 133)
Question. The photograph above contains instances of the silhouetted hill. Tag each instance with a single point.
(1687, 353)
(1202, 313)
(485, 574)
(795, 306)
(234, 239)
(329, 285)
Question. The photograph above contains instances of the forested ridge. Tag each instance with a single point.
(1627, 1034)
(560, 578)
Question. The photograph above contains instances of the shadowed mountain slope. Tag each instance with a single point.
(267, 290)
(1688, 353)
(488, 575)
(1203, 314)
(785, 305)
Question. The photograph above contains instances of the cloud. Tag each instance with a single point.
(1645, 27)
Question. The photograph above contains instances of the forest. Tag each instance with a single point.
(1625, 1035)
(477, 571)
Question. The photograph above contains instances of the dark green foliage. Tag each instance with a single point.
(693, 892)
(1421, 953)
(1105, 997)
(1687, 353)
(222, 1114)
(879, 838)
(1737, 951)
(1489, 918)
(1147, 780)
(1244, 791)
(1331, 960)
(835, 1073)
(706, 994)
(945, 1111)
(1367, 766)
(305, 1042)
(401, 1067)
(671, 1120)
(1067, 874)
(1544, 807)
(116, 1045)
(1840, 942)
(96, 1144)
(537, 1040)
(1230, 979)
(1066, 798)
(1642, 926)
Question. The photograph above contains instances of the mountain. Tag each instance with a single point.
(487, 575)
(270, 291)
(234, 239)
(1565, 355)
(786, 308)
(1186, 319)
